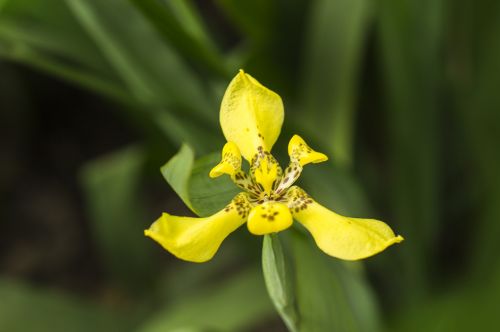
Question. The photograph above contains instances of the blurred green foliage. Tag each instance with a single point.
(402, 95)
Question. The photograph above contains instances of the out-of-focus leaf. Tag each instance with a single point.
(190, 180)
(182, 27)
(184, 279)
(244, 12)
(475, 76)
(154, 73)
(183, 128)
(230, 305)
(53, 31)
(117, 54)
(278, 278)
(410, 38)
(336, 188)
(269, 50)
(473, 306)
(113, 195)
(24, 308)
(333, 54)
(331, 295)
(51, 40)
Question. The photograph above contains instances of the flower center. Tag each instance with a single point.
(266, 175)
(266, 180)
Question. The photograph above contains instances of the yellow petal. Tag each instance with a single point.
(230, 162)
(301, 152)
(339, 236)
(198, 239)
(269, 217)
(251, 115)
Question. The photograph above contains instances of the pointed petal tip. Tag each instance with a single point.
(390, 242)
(197, 239)
(215, 172)
(319, 157)
(344, 237)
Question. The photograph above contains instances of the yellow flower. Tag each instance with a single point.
(251, 117)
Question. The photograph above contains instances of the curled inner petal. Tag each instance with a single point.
(339, 236)
(269, 217)
(300, 155)
(230, 162)
(301, 152)
(198, 239)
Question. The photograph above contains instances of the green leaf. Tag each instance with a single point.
(230, 305)
(336, 188)
(190, 180)
(279, 283)
(25, 308)
(333, 57)
(472, 306)
(331, 295)
(180, 25)
(184, 279)
(177, 172)
(153, 71)
(210, 195)
(3, 3)
(107, 49)
(182, 128)
(243, 13)
(476, 53)
(52, 31)
(118, 219)
(51, 40)
(411, 39)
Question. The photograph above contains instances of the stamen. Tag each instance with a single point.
(292, 173)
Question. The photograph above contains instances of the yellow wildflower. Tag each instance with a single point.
(251, 117)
